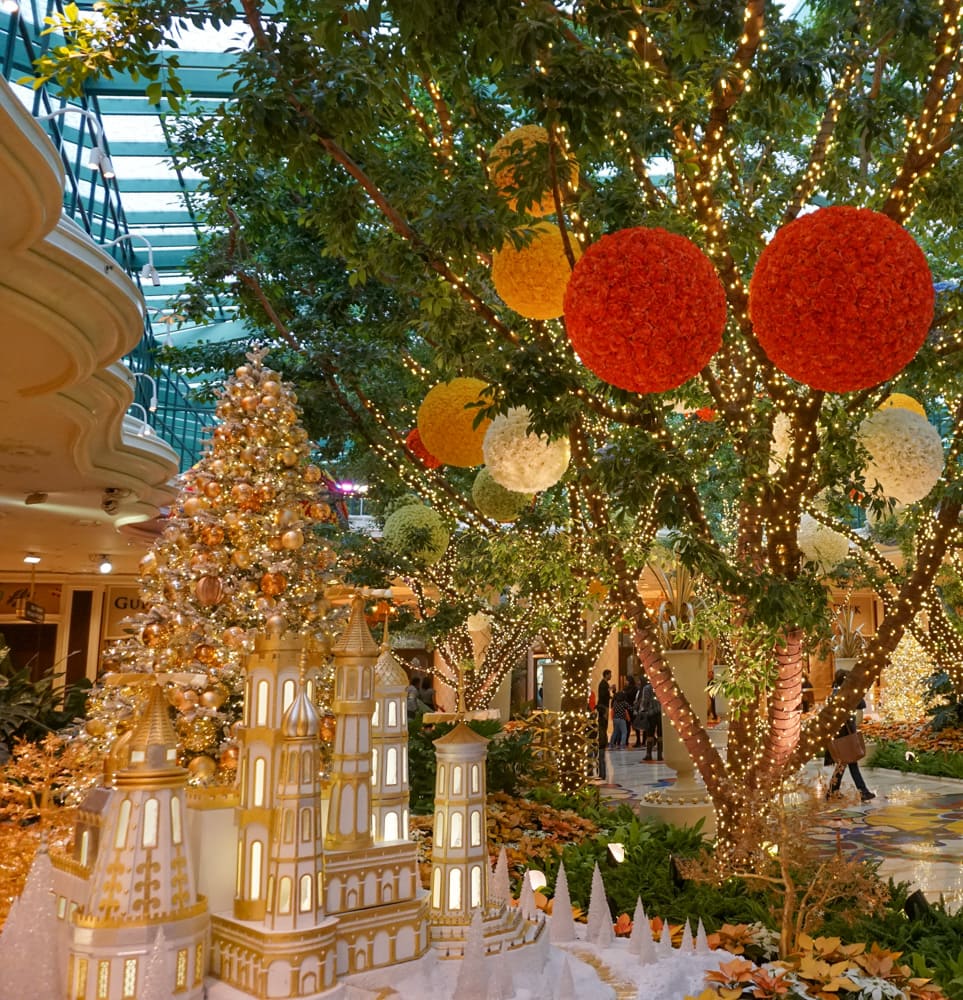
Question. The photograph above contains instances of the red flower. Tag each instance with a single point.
(417, 447)
(707, 415)
(645, 309)
(841, 299)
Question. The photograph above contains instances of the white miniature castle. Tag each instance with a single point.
(318, 894)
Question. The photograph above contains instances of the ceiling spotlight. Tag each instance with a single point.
(106, 566)
(32, 558)
(150, 273)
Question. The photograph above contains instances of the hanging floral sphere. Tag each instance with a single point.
(820, 544)
(417, 447)
(906, 453)
(494, 501)
(841, 299)
(521, 461)
(527, 148)
(903, 402)
(645, 309)
(417, 532)
(445, 422)
(781, 442)
(533, 279)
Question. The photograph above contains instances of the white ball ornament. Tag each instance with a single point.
(820, 544)
(520, 461)
(906, 453)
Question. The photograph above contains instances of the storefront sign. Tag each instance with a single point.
(30, 612)
(120, 603)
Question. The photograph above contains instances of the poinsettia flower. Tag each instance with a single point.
(622, 925)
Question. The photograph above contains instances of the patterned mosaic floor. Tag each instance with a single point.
(914, 826)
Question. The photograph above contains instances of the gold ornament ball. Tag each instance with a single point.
(206, 653)
(275, 544)
(273, 584)
(154, 634)
(293, 539)
(275, 624)
(95, 727)
(212, 534)
(109, 664)
(312, 474)
(243, 371)
(266, 492)
(289, 457)
(242, 492)
(265, 605)
(271, 387)
(286, 517)
(218, 467)
(209, 590)
(233, 637)
(194, 505)
(241, 558)
(189, 700)
(232, 519)
(202, 769)
(214, 696)
(228, 759)
(212, 490)
(249, 404)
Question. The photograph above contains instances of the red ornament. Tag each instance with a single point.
(841, 299)
(707, 415)
(417, 447)
(645, 309)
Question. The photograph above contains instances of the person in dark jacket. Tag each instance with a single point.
(602, 704)
(838, 769)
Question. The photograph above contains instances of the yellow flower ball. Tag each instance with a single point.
(528, 145)
(903, 402)
(446, 426)
(532, 280)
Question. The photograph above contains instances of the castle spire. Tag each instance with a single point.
(153, 744)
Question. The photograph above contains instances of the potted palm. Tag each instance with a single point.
(848, 641)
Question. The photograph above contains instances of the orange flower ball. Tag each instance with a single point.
(445, 422)
(519, 166)
(532, 279)
(841, 299)
(417, 447)
(645, 309)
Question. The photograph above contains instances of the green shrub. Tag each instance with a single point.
(898, 756)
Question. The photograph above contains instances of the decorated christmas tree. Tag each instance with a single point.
(243, 553)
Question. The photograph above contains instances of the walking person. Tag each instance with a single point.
(602, 703)
(650, 716)
(620, 719)
(634, 692)
(850, 727)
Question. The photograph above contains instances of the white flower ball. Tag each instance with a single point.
(906, 453)
(781, 442)
(523, 462)
(820, 544)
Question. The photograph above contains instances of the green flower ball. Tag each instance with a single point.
(418, 532)
(494, 501)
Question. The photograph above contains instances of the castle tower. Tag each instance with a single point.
(294, 885)
(373, 888)
(270, 687)
(277, 942)
(389, 738)
(131, 874)
(349, 808)
(459, 863)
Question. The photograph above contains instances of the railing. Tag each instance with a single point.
(93, 201)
